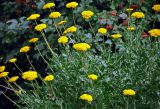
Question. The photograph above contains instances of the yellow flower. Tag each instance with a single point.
(30, 75)
(138, 15)
(49, 78)
(55, 15)
(86, 97)
(33, 40)
(4, 74)
(116, 36)
(131, 28)
(129, 92)
(81, 46)
(40, 27)
(62, 22)
(13, 60)
(33, 17)
(72, 5)
(25, 49)
(154, 32)
(156, 7)
(48, 5)
(2, 68)
(70, 30)
(129, 9)
(102, 31)
(93, 76)
(13, 79)
(63, 40)
(87, 14)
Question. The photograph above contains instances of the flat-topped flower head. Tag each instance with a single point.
(70, 30)
(30, 75)
(86, 97)
(62, 22)
(129, 92)
(13, 60)
(87, 14)
(48, 6)
(92, 76)
(2, 68)
(4, 74)
(81, 46)
(72, 5)
(13, 79)
(131, 28)
(25, 49)
(33, 17)
(33, 40)
(156, 7)
(102, 31)
(40, 27)
(49, 78)
(154, 32)
(55, 15)
(138, 15)
(63, 40)
(116, 36)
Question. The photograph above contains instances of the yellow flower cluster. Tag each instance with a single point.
(131, 28)
(48, 5)
(129, 9)
(13, 60)
(129, 92)
(138, 15)
(102, 31)
(62, 22)
(86, 97)
(63, 39)
(154, 32)
(156, 7)
(33, 17)
(70, 30)
(4, 74)
(25, 49)
(87, 14)
(30, 75)
(116, 36)
(81, 46)
(2, 68)
(13, 79)
(49, 78)
(55, 15)
(93, 76)
(72, 5)
(33, 40)
(40, 27)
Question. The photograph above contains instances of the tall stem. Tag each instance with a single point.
(92, 28)
(56, 28)
(10, 99)
(49, 47)
(73, 17)
(43, 57)
(18, 67)
(30, 62)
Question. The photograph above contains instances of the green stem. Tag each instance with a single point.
(10, 99)
(30, 62)
(43, 57)
(18, 67)
(49, 47)
(56, 28)
(73, 17)
(92, 28)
